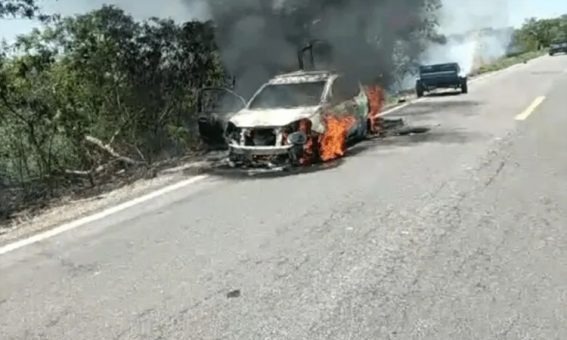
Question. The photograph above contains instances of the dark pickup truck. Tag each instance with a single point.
(558, 48)
(440, 76)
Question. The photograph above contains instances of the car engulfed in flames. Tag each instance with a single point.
(302, 118)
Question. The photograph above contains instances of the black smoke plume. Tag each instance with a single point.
(372, 40)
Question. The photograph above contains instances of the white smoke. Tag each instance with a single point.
(477, 31)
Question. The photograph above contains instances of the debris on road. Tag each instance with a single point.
(233, 294)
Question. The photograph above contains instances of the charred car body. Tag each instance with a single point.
(290, 116)
(440, 76)
(300, 118)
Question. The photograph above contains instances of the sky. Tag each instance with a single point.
(506, 14)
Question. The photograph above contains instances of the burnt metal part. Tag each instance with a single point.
(244, 161)
(260, 137)
(326, 49)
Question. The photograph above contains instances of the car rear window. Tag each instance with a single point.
(438, 68)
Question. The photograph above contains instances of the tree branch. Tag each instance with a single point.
(108, 149)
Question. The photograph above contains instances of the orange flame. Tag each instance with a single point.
(375, 102)
(333, 142)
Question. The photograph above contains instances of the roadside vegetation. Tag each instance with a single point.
(100, 97)
(530, 41)
(508, 61)
(92, 98)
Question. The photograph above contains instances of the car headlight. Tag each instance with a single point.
(297, 138)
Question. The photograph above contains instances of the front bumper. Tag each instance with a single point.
(259, 150)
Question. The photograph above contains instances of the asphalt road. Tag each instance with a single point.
(460, 233)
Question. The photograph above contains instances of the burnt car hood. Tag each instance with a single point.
(272, 117)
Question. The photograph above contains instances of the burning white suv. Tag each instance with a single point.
(289, 116)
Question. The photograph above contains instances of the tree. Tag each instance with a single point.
(91, 94)
(18, 8)
(536, 34)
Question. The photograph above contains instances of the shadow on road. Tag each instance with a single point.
(438, 137)
(243, 174)
(431, 137)
(444, 94)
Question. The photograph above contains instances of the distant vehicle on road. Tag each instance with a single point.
(440, 76)
(558, 48)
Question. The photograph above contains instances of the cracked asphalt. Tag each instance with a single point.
(459, 233)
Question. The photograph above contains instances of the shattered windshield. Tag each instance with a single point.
(289, 95)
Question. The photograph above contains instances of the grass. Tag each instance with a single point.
(506, 62)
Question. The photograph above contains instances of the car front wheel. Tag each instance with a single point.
(419, 90)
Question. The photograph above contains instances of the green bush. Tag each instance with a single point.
(129, 86)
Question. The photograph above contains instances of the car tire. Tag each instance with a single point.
(464, 87)
(295, 154)
(419, 90)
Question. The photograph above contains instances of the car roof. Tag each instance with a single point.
(298, 77)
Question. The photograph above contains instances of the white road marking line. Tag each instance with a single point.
(98, 216)
(530, 109)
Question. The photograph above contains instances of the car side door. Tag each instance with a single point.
(215, 106)
(346, 98)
